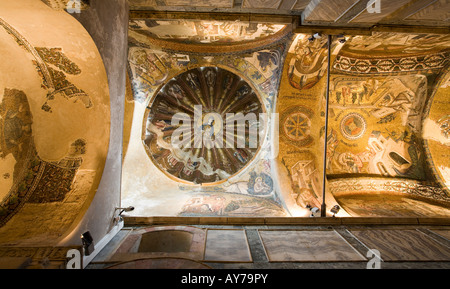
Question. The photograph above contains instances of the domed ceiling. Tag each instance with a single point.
(204, 99)
(184, 84)
(381, 87)
(54, 121)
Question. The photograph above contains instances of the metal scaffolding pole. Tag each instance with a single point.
(324, 206)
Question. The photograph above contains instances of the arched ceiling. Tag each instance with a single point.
(351, 13)
(389, 44)
(54, 122)
(381, 80)
(208, 150)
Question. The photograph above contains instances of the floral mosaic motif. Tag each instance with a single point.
(401, 186)
(41, 182)
(296, 125)
(56, 57)
(353, 126)
(58, 176)
(61, 86)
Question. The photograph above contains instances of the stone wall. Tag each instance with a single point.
(107, 23)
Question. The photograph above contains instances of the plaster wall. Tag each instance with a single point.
(107, 23)
(55, 124)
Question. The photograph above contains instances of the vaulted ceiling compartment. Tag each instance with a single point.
(383, 89)
(54, 122)
(221, 67)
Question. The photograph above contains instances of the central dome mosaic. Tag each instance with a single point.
(204, 125)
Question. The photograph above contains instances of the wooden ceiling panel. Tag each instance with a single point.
(142, 3)
(326, 10)
(437, 11)
(300, 5)
(201, 3)
(342, 13)
(258, 4)
(386, 8)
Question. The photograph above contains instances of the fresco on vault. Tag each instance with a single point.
(379, 91)
(53, 80)
(54, 122)
(236, 181)
(380, 87)
(377, 123)
(436, 134)
(216, 92)
(202, 31)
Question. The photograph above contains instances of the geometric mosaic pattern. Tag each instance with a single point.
(403, 64)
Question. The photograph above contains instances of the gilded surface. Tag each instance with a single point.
(381, 87)
(54, 123)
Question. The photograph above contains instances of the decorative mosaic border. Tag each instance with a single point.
(402, 186)
(284, 35)
(391, 65)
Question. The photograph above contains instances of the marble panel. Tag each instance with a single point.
(307, 246)
(227, 246)
(166, 263)
(403, 245)
(135, 246)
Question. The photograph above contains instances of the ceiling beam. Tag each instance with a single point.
(338, 30)
(219, 16)
(236, 9)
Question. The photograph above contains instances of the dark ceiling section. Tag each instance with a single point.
(380, 15)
